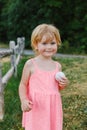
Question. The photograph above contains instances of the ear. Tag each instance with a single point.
(36, 49)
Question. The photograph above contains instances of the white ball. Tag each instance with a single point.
(59, 76)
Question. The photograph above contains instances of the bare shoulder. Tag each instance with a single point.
(28, 63)
(29, 66)
(26, 72)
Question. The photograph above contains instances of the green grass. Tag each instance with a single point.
(4, 45)
(74, 97)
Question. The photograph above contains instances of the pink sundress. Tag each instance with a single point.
(43, 91)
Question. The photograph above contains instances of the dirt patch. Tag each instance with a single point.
(81, 88)
(5, 59)
(76, 89)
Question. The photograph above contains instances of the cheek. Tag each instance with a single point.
(40, 48)
(55, 50)
(55, 47)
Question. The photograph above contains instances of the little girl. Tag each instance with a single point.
(38, 90)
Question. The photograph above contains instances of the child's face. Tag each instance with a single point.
(47, 48)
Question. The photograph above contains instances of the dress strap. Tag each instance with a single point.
(57, 66)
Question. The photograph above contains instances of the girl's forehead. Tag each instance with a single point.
(48, 38)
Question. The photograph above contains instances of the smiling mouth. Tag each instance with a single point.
(48, 51)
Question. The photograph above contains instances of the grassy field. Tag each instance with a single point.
(3, 45)
(74, 97)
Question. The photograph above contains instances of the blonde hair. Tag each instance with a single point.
(48, 30)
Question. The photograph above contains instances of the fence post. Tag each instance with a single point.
(1, 95)
(21, 44)
(15, 52)
(13, 56)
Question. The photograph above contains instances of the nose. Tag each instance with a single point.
(48, 45)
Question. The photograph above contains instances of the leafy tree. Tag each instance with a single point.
(2, 23)
(20, 17)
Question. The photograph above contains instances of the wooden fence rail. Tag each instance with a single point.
(15, 53)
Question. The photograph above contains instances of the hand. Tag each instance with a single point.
(63, 83)
(26, 105)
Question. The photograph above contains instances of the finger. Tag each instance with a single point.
(30, 106)
(30, 102)
(27, 110)
(62, 82)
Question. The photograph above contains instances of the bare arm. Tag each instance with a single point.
(64, 82)
(25, 103)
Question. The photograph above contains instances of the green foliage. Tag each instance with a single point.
(67, 49)
(19, 18)
(3, 34)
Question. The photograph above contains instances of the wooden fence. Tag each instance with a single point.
(15, 52)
